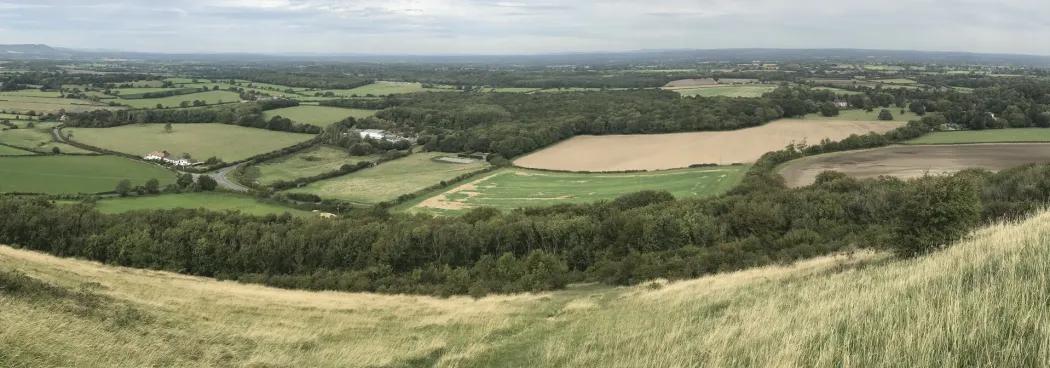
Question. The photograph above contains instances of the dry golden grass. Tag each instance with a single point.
(983, 302)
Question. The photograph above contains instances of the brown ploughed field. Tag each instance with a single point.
(678, 150)
(915, 160)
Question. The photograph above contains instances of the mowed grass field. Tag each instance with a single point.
(512, 188)
(861, 115)
(11, 151)
(390, 179)
(382, 88)
(25, 102)
(227, 142)
(321, 116)
(211, 201)
(979, 303)
(210, 97)
(985, 136)
(36, 139)
(744, 90)
(75, 174)
(309, 162)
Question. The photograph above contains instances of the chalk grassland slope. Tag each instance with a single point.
(36, 139)
(211, 201)
(390, 179)
(210, 98)
(677, 150)
(979, 303)
(227, 142)
(985, 136)
(306, 163)
(321, 116)
(910, 161)
(515, 188)
(13, 102)
(75, 174)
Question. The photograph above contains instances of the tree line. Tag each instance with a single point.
(244, 114)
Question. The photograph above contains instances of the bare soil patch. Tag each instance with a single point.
(678, 150)
(914, 160)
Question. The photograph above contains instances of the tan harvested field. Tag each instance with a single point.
(677, 150)
(913, 160)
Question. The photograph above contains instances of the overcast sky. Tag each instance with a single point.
(526, 26)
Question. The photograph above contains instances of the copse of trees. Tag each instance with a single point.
(246, 114)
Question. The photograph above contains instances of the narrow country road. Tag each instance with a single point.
(221, 176)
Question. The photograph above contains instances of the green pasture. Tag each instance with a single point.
(727, 91)
(861, 115)
(321, 116)
(511, 188)
(391, 179)
(75, 174)
(1011, 135)
(206, 200)
(305, 163)
(36, 139)
(210, 98)
(227, 142)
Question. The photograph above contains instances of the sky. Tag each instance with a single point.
(526, 26)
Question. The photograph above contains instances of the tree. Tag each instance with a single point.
(918, 108)
(123, 188)
(55, 150)
(206, 183)
(829, 109)
(168, 128)
(184, 180)
(935, 211)
(160, 106)
(885, 115)
(152, 186)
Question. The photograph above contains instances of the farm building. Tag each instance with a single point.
(379, 134)
(165, 157)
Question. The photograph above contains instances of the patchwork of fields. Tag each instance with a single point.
(515, 188)
(75, 174)
(227, 142)
(22, 102)
(678, 150)
(391, 179)
(910, 161)
(321, 116)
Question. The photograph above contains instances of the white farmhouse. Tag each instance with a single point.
(165, 157)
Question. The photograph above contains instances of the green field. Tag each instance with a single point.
(211, 201)
(838, 91)
(727, 91)
(310, 162)
(381, 88)
(75, 174)
(861, 115)
(390, 179)
(32, 93)
(515, 188)
(980, 303)
(15, 104)
(1012, 135)
(227, 142)
(321, 116)
(36, 139)
(210, 97)
(11, 151)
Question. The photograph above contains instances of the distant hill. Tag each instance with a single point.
(676, 56)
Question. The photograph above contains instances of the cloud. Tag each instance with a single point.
(526, 26)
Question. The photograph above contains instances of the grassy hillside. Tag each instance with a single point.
(979, 303)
